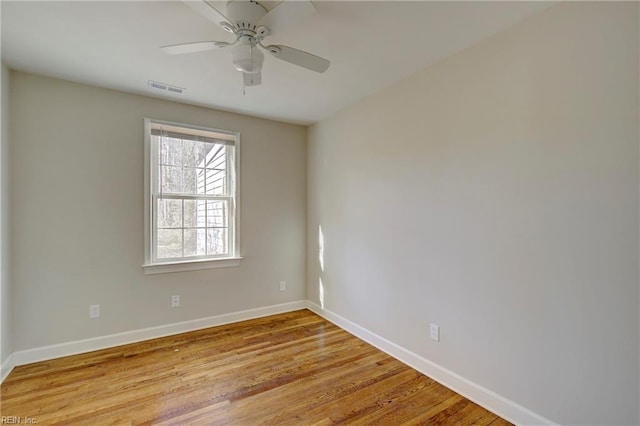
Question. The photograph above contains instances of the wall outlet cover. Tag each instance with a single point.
(94, 311)
(434, 331)
(175, 301)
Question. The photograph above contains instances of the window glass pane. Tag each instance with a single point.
(170, 179)
(201, 213)
(194, 242)
(202, 241)
(193, 153)
(169, 244)
(169, 213)
(170, 151)
(188, 153)
(189, 180)
(200, 180)
(216, 156)
(190, 213)
(215, 182)
(216, 213)
(216, 241)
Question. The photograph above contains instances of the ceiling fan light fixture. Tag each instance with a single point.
(247, 58)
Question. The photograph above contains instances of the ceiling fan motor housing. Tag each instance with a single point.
(245, 14)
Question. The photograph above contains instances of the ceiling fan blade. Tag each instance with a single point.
(252, 79)
(287, 13)
(200, 46)
(207, 10)
(299, 57)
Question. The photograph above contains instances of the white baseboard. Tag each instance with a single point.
(6, 367)
(87, 345)
(488, 399)
(482, 396)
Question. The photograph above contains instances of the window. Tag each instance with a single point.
(191, 203)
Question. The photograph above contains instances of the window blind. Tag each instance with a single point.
(191, 134)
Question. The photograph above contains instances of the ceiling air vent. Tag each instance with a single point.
(165, 87)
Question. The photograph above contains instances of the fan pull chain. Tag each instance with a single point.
(251, 55)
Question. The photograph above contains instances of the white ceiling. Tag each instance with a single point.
(371, 45)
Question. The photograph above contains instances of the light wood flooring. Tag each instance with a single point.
(288, 369)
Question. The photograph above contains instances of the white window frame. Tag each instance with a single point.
(151, 264)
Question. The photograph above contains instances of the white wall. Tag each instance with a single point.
(496, 194)
(77, 215)
(6, 312)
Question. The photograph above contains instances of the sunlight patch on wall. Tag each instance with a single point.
(321, 248)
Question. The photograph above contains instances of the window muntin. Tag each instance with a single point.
(192, 202)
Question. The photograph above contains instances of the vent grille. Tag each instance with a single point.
(166, 87)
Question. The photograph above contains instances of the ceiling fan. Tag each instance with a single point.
(250, 22)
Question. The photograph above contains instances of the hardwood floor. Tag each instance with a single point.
(288, 369)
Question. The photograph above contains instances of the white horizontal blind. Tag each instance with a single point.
(193, 193)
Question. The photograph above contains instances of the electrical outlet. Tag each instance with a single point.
(175, 301)
(283, 285)
(435, 332)
(94, 311)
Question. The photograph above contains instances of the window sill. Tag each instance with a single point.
(192, 265)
